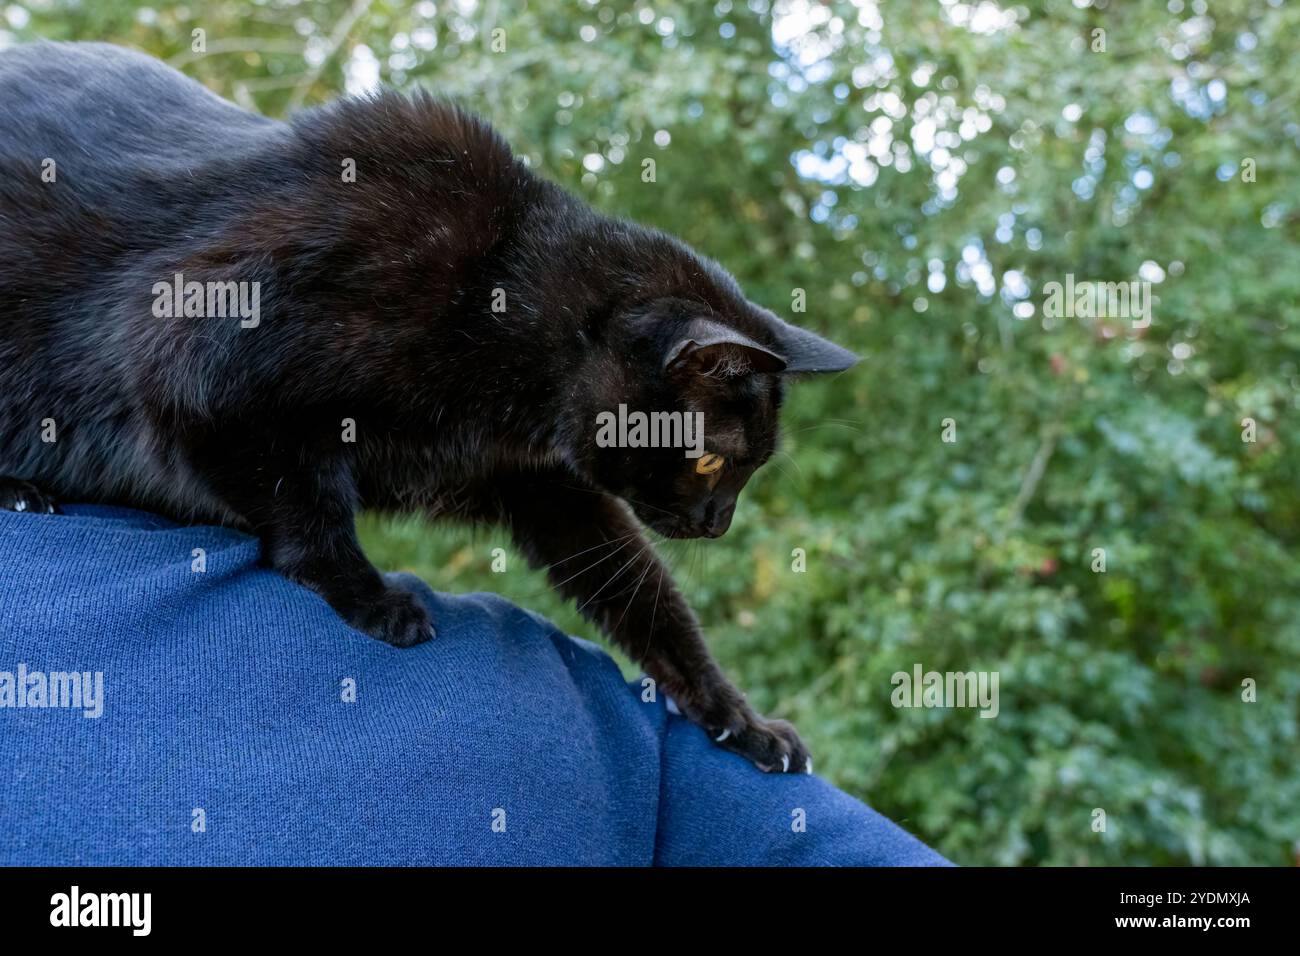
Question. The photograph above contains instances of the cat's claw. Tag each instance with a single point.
(397, 617)
(23, 496)
(773, 746)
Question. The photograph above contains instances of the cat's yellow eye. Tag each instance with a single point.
(709, 464)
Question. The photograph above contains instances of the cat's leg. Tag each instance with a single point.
(595, 553)
(19, 495)
(302, 506)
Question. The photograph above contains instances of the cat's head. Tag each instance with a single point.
(680, 399)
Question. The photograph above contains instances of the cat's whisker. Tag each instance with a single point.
(833, 423)
(693, 548)
(654, 610)
(621, 539)
(674, 562)
(797, 467)
(585, 491)
(783, 472)
(579, 554)
(612, 578)
(649, 564)
(650, 506)
(596, 563)
(631, 501)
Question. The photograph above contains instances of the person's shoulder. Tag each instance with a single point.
(121, 539)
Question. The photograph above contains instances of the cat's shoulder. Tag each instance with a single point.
(413, 131)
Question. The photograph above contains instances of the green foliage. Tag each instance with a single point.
(867, 152)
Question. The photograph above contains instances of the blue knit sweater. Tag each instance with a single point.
(239, 721)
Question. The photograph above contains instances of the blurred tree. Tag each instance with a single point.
(922, 171)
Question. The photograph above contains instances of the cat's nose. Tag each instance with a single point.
(717, 518)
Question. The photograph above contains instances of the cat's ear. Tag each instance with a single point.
(806, 351)
(704, 345)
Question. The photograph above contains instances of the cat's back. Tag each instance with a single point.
(106, 157)
(98, 105)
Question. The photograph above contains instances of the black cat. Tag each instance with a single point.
(413, 320)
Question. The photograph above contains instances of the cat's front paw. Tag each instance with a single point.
(19, 495)
(396, 617)
(772, 746)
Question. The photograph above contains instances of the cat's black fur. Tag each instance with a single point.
(376, 307)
